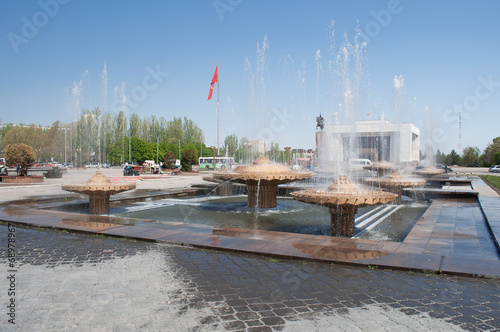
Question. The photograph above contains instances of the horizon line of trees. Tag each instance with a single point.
(472, 156)
(116, 139)
(108, 138)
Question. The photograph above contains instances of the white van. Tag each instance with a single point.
(359, 163)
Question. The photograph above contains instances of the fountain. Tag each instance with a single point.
(429, 161)
(224, 188)
(343, 199)
(382, 168)
(395, 183)
(429, 171)
(338, 142)
(99, 188)
(262, 179)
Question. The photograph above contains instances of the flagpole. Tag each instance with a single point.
(218, 111)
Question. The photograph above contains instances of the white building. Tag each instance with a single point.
(373, 139)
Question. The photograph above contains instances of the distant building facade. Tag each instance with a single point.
(375, 140)
(258, 146)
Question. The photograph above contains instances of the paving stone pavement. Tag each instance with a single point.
(71, 281)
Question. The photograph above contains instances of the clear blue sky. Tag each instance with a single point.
(446, 51)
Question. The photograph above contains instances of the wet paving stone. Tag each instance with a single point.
(72, 280)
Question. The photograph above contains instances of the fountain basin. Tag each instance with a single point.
(290, 216)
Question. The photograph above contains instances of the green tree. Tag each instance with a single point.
(192, 147)
(246, 154)
(115, 153)
(20, 154)
(142, 150)
(207, 151)
(488, 157)
(172, 147)
(191, 133)
(107, 135)
(440, 157)
(135, 126)
(497, 158)
(453, 158)
(230, 145)
(275, 153)
(53, 143)
(174, 129)
(188, 159)
(470, 156)
(30, 135)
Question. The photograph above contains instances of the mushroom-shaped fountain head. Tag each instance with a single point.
(262, 179)
(99, 188)
(343, 198)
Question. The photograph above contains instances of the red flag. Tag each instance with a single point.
(215, 79)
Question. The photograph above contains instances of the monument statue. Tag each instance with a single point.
(320, 122)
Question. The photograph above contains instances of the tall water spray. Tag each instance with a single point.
(399, 98)
(104, 78)
(75, 104)
(261, 112)
(319, 72)
(429, 159)
(348, 99)
(255, 79)
(123, 100)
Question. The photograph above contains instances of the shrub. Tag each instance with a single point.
(20, 154)
(188, 159)
(169, 159)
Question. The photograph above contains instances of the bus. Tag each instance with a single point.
(220, 162)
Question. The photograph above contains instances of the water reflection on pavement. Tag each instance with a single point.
(75, 281)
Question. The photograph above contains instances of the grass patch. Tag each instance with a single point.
(493, 181)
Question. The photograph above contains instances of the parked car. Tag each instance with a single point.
(494, 169)
(92, 165)
(95, 165)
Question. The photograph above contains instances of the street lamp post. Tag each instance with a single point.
(37, 156)
(129, 147)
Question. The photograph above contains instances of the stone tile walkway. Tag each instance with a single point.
(81, 282)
